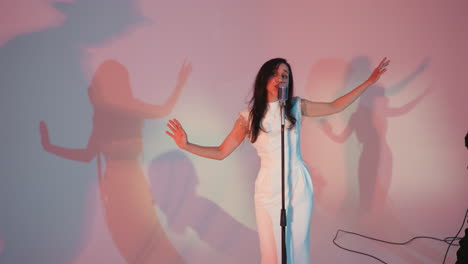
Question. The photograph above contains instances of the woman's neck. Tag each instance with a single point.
(272, 99)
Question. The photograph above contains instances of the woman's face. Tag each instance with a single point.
(280, 75)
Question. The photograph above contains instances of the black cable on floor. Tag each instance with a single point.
(448, 240)
(456, 236)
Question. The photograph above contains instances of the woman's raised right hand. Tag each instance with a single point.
(178, 133)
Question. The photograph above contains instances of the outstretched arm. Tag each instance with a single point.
(340, 138)
(322, 109)
(391, 112)
(230, 143)
(184, 73)
(404, 83)
(84, 155)
(130, 106)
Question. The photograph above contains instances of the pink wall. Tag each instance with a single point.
(405, 133)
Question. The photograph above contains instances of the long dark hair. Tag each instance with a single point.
(259, 104)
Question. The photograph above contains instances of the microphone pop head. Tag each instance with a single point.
(282, 92)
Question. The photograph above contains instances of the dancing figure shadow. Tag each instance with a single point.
(41, 75)
(370, 124)
(117, 135)
(375, 171)
(174, 182)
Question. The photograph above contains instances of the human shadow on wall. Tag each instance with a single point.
(124, 191)
(375, 212)
(370, 123)
(41, 76)
(174, 181)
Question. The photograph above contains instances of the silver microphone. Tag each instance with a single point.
(283, 92)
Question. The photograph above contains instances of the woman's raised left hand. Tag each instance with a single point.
(379, 70)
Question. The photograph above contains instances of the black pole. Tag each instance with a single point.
(283, 224)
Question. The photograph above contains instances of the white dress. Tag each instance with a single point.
(298, 188)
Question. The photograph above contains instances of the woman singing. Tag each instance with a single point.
(261, 124)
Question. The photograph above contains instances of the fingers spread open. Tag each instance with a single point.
(384, 63)
(177, 123)
(172, 128)
(169, 134)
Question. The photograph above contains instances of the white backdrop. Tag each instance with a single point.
(405, 133)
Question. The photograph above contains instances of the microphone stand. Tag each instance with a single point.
(283, 210)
